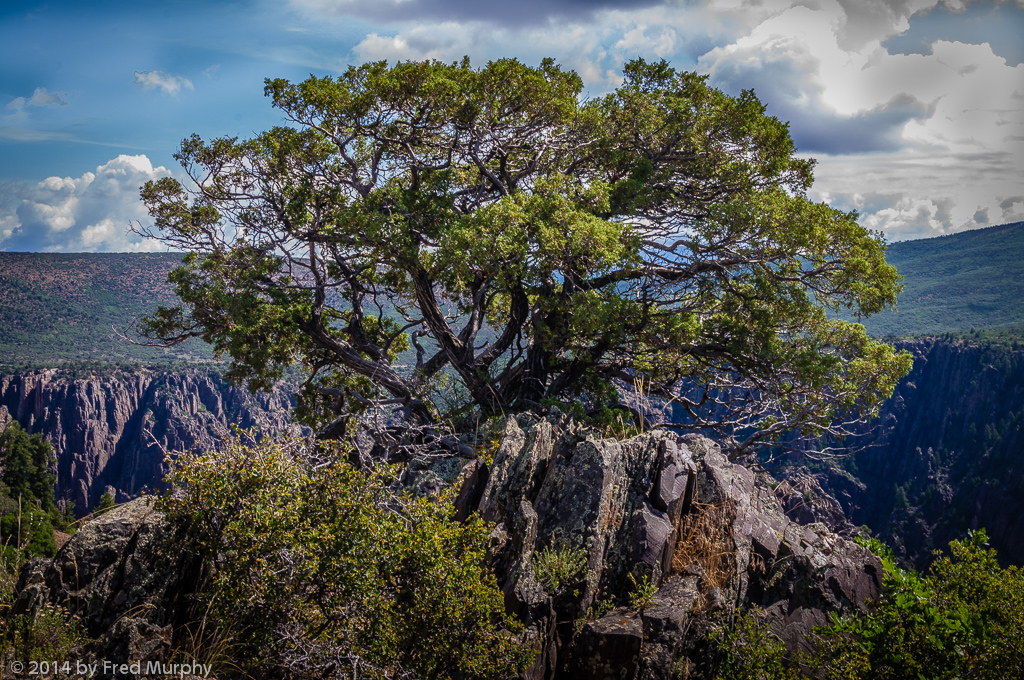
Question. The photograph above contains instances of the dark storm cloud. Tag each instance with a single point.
(791, 96)
(817, 130)
(505, 13)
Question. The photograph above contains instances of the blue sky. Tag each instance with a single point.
(913, 108)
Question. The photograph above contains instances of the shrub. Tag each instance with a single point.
(962, 619)
(642, 595)
(323, 570)
(28, 513)
(556, 568)
(49, 635)
(744, 649)
(30, 530)
(106, 503)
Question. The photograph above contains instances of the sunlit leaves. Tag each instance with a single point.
(308, 557)
(962, 619)
(537, 244)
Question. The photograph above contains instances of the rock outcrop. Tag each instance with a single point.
(670, 535)
(659, 509)
(121, 576)
(111, 432)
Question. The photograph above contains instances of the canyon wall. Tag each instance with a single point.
(951, 457)
(111, 431)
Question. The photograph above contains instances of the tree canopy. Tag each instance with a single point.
(27, 509)
(423, 224)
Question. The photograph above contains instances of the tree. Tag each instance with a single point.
(26, 466)
(429, 222)
(107, 502)
(27, 509)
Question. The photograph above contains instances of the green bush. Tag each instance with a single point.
(963, 619)
(744, 649)
(322, 570)
(642, 595)
(48, 636)
(555, 568)
(106, 503)
(30, 530)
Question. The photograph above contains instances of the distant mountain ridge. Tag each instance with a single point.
(62, 307)
(972, 280)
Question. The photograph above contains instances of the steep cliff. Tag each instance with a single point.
(953, 459)
(110, 431)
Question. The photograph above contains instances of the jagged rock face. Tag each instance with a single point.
(806, 501)
(111, 433)
(640, 507)
(121, 575)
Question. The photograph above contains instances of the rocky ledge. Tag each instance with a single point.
(673, 512)
(658, 508)
(122, 576)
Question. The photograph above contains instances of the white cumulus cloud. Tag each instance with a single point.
(919, 144)
(157, 79)
(79, 214)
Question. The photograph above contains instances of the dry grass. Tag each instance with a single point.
(705, 540)
(208, 642)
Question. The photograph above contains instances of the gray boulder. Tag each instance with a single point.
(672, 510)
(122, 576)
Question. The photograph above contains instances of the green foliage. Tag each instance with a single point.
(49, 635)
(28, 513)
(29, 530)
(642, 594)
(26, 463)
(1001, 338)
(533, 244)
(960, 620)
(106, 503)
(744, 649)
(558, 568)
(59, 308)
(320, 566)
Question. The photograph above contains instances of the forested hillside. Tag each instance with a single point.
(959, 283)
(58, 308)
